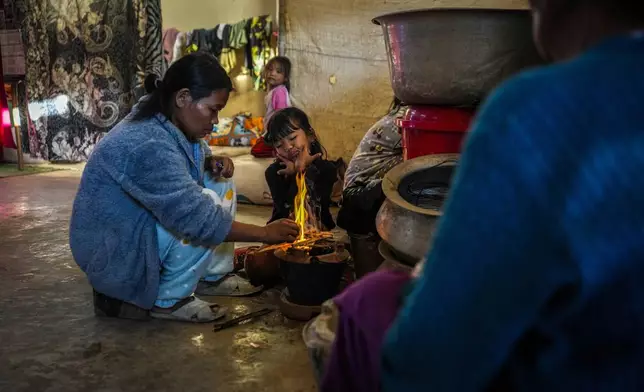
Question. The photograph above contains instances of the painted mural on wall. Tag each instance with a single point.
(85, 61)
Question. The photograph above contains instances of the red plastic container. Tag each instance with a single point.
(430, 130)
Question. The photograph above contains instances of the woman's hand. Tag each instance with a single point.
(305, 159)
(283, 230)
(222, 167)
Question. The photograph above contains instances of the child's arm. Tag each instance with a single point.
(283, 190)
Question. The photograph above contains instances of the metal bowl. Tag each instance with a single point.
(455, 56)
(405, 225)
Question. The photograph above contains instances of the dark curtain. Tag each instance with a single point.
(85, 61)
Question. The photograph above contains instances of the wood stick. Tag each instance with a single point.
(313, 237)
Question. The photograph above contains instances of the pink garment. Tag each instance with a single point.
(276, 99)
(169, 37)
(367, 308)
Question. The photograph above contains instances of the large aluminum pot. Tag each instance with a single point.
(404, 224)
(455, 56)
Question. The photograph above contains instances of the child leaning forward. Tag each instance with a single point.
(298, 149)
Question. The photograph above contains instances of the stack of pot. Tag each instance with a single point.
(442, 63)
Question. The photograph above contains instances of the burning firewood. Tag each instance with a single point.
(308, 235)
(310, 238)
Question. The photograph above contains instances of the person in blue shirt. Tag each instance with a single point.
(154, 212)
(534, 280)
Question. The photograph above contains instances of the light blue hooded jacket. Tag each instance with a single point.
(140, 174)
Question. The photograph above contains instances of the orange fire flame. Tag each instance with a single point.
(309, 233)
(301, 214)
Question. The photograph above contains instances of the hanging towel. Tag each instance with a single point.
(227, 59)
(238, 37)
(179, 47)
(169, 38)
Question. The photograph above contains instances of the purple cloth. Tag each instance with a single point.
(367, 309)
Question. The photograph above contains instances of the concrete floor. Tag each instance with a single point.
(50, 339)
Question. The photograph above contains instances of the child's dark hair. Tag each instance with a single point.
(199, 72)
(285, 63)
(288, 120)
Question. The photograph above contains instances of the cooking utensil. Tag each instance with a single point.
(455, 56)
(414, 193)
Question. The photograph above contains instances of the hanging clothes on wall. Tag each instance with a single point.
(227, 57)
(238, 37)
(206, 40)
(235, 38)
(179, 47)
(258, 52)
(169, 38)
(85, 58)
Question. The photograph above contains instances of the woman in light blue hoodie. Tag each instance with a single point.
(154, 207)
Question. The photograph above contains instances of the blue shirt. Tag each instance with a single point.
(140, 174)
(536, 277)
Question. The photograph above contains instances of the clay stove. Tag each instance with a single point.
(415, 192)
(312, 266)
(312, 275)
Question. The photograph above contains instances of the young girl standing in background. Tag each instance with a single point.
(277, 74)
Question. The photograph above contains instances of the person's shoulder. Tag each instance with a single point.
(125, 138)
(526, 87)
(281, 89)
(386, 122)
(547, 86)
(130, 130)
(524, 109)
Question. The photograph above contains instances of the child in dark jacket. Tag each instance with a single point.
(298, 149)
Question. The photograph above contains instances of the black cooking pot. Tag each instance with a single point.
(311, 284)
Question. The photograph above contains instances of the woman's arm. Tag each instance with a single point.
(156, 176)
(273, 233)
(162, 183)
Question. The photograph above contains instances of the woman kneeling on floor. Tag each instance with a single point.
(154, 213)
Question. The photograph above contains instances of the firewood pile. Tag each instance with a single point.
(310, 238)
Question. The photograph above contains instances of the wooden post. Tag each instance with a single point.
(18, 134)
(21, 158)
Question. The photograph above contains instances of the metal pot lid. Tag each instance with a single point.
(392, 180)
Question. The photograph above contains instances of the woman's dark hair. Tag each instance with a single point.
(199, 72)
(285, 63)
(151, 83)
(288, 120)
(395, 105)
